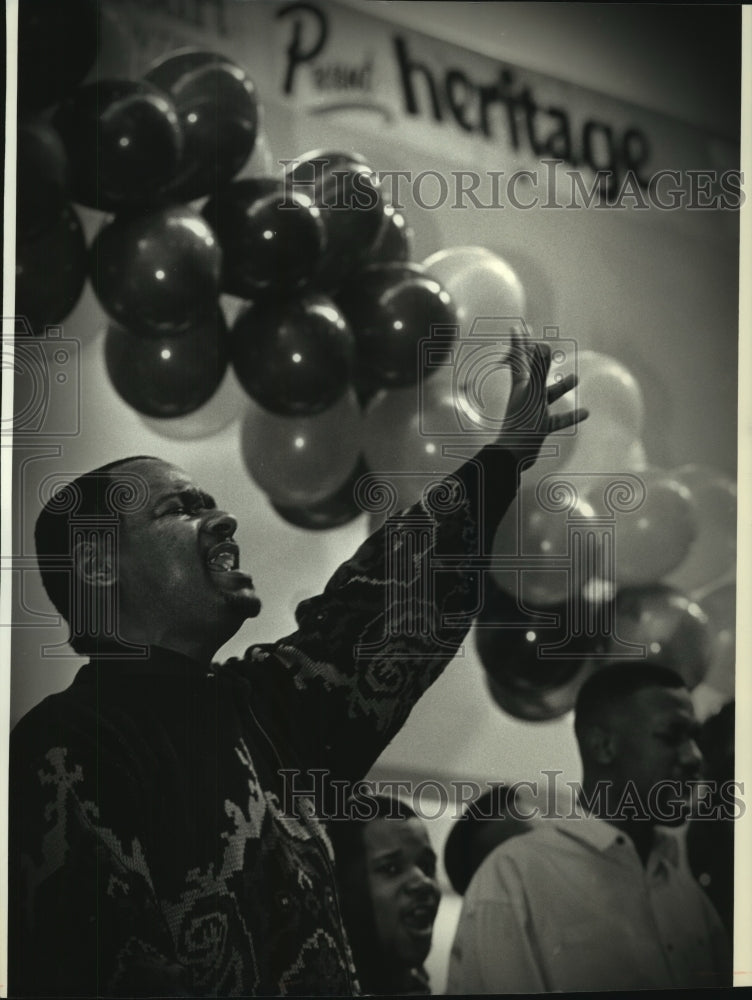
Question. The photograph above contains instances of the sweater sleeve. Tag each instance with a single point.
(84, 919)
(390, 619)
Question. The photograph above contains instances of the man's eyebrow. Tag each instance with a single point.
(681, 725)
(388, 855)
(187, 492)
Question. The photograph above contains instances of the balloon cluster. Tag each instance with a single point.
(350, 351)
(333, 315)
(139, 151)
(632, 559)
(427, 426)
(335, 319)
(351, 356)
(51, 260)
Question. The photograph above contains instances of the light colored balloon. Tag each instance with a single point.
(713, 553)
(610, 392)
(423, 432)
(448, 264)
(720, 607)
(478, 385)
(636, 459)
(299, 461)
(403, 440)
(653, 535)
(483, 286)
(224, 407)
(597, 447)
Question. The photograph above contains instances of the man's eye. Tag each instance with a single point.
(390, 868)
(187, 507)
(173, 508)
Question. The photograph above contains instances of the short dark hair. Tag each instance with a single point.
(609, 686)
(464, 850)
(347, 833)
(94, 496)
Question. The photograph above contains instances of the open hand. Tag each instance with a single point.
(527, 421)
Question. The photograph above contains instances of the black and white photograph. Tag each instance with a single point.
(375, 483)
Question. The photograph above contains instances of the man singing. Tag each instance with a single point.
(153, 849)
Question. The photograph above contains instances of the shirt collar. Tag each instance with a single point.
(155, 662)
(597, 833)
(590, 830)
(666, 846)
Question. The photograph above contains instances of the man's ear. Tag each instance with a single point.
(600, 743)
(93, 564)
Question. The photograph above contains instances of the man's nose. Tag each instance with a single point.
(220, 523)
(421, 886)
(691, 756)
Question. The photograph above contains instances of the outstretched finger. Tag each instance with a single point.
(560, 421)
(559, 389)
(521, 356)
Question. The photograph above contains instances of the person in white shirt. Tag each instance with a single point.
(598, 899)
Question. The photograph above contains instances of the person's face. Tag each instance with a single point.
(405, 896)
(653, 734)
(177, 566)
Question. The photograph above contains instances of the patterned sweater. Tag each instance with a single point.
(155, 848)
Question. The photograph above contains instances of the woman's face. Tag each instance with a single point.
(401, 871)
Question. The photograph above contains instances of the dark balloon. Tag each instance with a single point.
(41, 178)
(51, 271)
(664, 626)
(333, 512)
(157, 273)
(167, 376)
(543, 705)
(218, 108)
(270, 242)
(395, 241)
(516, 646)
(123, 141)
(392, 308)
(530, 529)
(294, 357)
(348, 194)
(57, 46)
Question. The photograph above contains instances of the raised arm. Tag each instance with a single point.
(393, 615)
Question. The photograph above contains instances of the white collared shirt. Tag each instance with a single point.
(570, 906)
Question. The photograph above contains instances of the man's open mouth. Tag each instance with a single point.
(222, 562)
(223, 558)
(420, 918)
